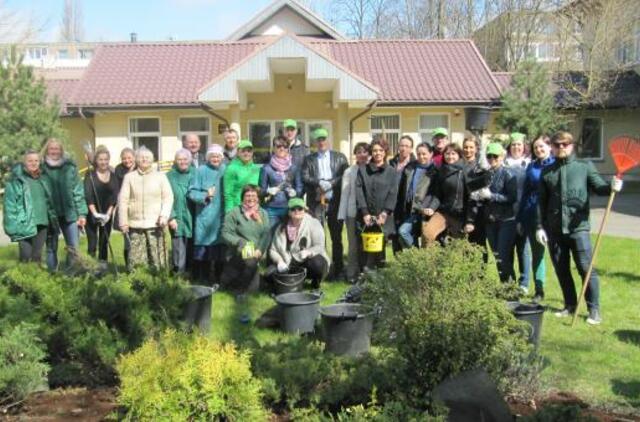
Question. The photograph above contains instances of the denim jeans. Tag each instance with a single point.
(537, 258)
(523, 254)
(501, 236)
(578, 244)
(276, 217)
(407, 229)
(71, 239)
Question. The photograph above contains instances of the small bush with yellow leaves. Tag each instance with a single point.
(189, 377)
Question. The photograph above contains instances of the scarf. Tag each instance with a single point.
(54, 163)
(252, 213)
(292, 231)
(230, 153)
(280, 165)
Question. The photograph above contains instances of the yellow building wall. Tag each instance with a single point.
(79, 133)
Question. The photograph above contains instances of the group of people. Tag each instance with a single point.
(225, 213)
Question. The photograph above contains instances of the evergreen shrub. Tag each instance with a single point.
(189, 377)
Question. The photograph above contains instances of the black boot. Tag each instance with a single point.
(539, 296)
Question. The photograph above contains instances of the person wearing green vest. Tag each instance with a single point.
(563, 220)
(69, 203)
(181, 218)
(240, 172)
(28, 208)
(205, 192)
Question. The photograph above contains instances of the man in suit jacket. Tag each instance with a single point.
(322, 177)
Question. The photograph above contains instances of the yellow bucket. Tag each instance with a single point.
(372, 241)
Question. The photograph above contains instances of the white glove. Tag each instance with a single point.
(616, 184)
(291, 193)
(106, 217)
(474, 195)
(541, 236)
(273, 190)
(325, 185)
(305, 253)
(282, 267)
(484, 194)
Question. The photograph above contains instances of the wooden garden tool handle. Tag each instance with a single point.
(585, 282)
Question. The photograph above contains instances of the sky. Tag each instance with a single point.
(152, 20)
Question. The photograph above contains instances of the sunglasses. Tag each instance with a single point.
(561, 144)
(492, 157)
(280, 146)
(295, 209)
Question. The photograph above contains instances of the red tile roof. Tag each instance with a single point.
(405, 71)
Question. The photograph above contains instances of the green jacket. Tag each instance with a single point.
(237, 176)
(208, 211)
(182, 210)
(238, 229)
(19, 220)
(563, 205)
(67, 189)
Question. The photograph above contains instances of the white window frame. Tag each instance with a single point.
(158, 134)
(601, 156)
(432, 113)
(373, 132)
(83, 51)
(536, 51)
(199, 133)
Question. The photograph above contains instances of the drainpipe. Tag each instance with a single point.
(369, 107)
(209, 110)
(89, 125)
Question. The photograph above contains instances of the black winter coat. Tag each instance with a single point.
(377, 191)
(449, 194)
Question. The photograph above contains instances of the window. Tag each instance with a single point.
(389, 126)
(145, 131)
(591, 140)
(428, 122)
(198, 125)
(37, 53)
(85, 53)
(544, 52)
(261, 134)
(63, 54)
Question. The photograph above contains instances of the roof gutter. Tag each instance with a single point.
(209, 110)
(368, 109)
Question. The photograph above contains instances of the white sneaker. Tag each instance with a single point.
(564, 313)
(594, 317)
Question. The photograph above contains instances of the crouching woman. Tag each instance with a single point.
(28, 208)
(246, 232)
(299, 243)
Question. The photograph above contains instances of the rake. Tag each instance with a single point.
(625, 152)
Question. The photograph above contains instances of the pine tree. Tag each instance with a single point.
(528, 105)
(27, 116)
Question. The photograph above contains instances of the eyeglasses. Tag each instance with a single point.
(561, 144)
(296, 209)
(281, 146)
(492, 157)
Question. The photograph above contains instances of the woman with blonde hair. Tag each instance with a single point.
(69, 204)
(145, 201)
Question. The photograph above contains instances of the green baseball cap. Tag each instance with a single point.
(290, 123)
(245, 143)
(495, 148)
(518, 137)
(439, 131)
(296, 202)
(320, 133)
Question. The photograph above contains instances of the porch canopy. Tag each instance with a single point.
(287, 54)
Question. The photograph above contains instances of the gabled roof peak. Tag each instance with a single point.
(280, 14)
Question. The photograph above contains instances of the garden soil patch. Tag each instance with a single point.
(569, 399)
(75, 404)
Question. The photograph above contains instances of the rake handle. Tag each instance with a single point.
(587, 277)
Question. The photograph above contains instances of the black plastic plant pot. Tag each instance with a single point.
(347, 328)
(289, 282)
(298, 311)
(533, 314)
(198, 309)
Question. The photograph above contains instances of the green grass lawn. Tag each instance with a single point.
(599, 364)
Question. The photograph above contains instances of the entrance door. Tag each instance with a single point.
(261, 134)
